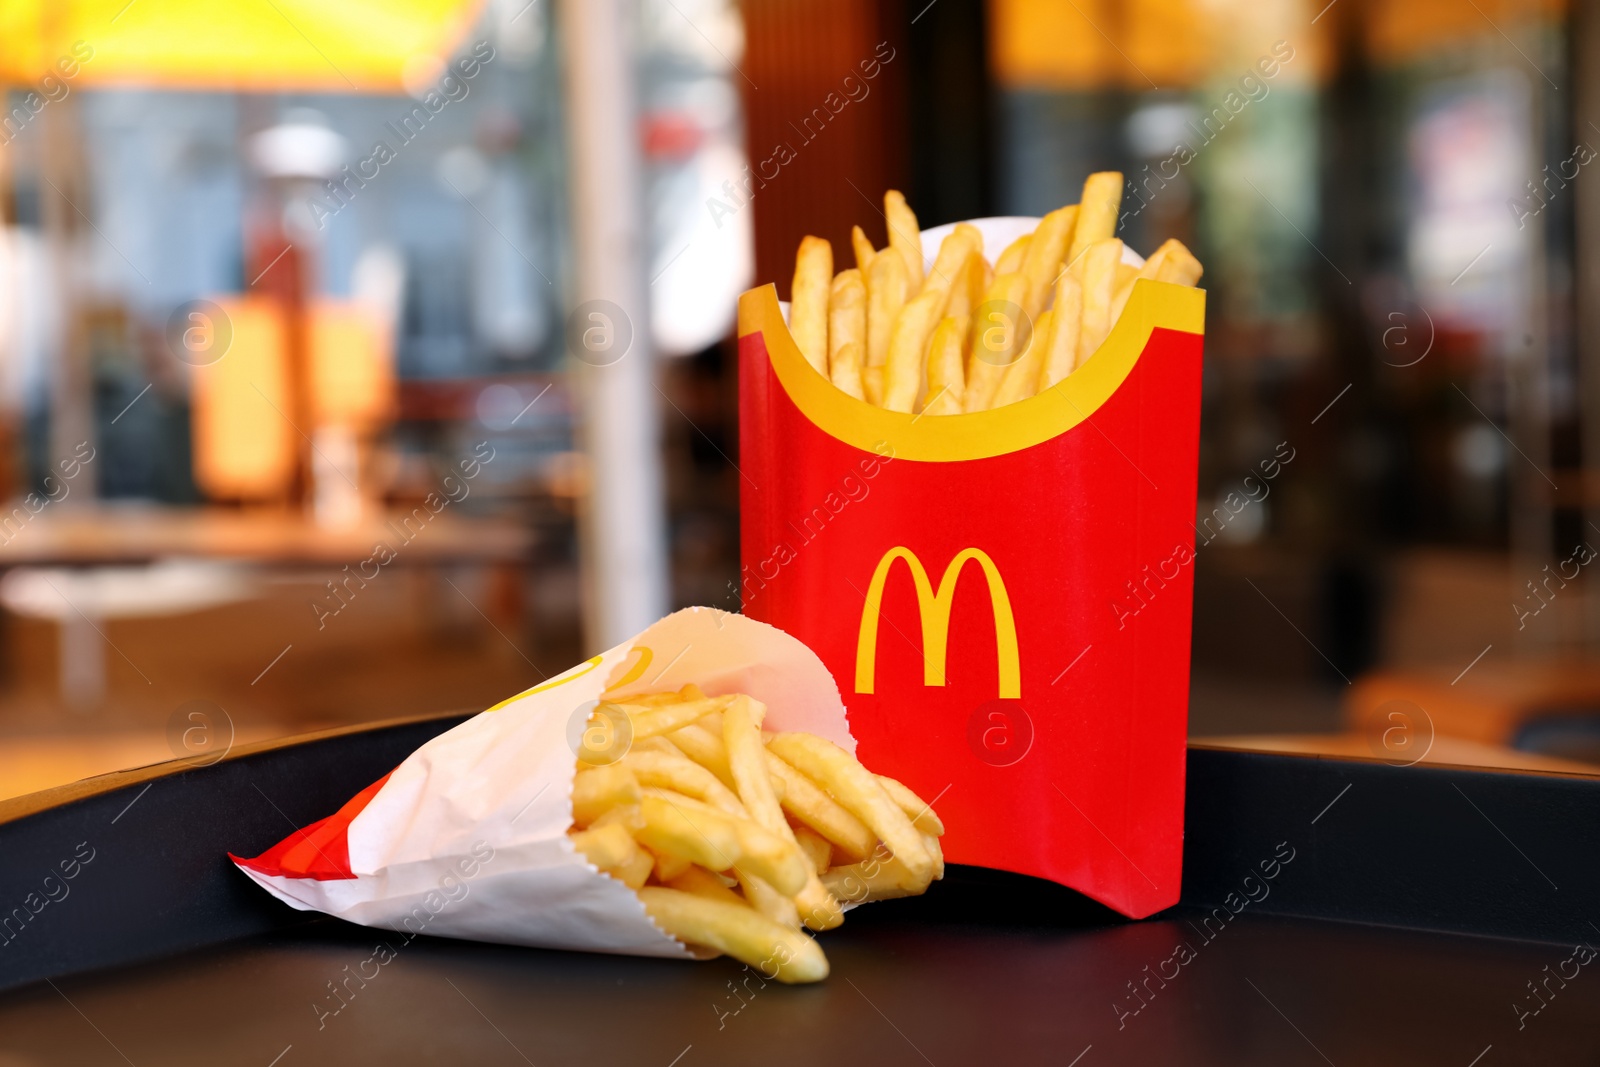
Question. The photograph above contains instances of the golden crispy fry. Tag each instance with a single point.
(649, 700)
(1045, 255)
(808, 300)
(886, 295)
(606, 846)
(1099, 276)
(847, 311)
(818, 849)
(919, 811)
(1015, 254)
(651, 722)
(955, 250)
(698, 834)
(635, 871)
(1126, 273)
(1061, 349)
(872, 385)
(1097, 213)
(626, 816)
(736, 929)
(845, 366)
(747, 757)
(1000, 332)
(972, 277)
(863, 249)
(902, 372)
(767, 900)
(701, 882)
(935, 850)
(947, 375)
(706, 749)
(854, 787)
(690, 691)
(774, 860)
(682, 774)
(1022, 377)
(905, 236)
(806, 802)
(1179, 265)
(879, 877)
(668, 866)
(598, 789)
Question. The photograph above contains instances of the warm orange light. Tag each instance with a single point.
(352, 369)
(345, 46)
(244, 444)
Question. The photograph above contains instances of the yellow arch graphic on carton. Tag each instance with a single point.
(981, 434)
(934, 609)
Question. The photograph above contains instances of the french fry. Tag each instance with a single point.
(706, 749)
(972, 279)
(596, 790)
(905, 236)
(635, 871)
(1061, 351)
(1179, 265)
(626, 816)
(959, 245)
(747, 759)
(1014, 255)
(808, 300)
(735, 929)
(845, 367)
(947, 377)
(877, 878)
(1045, 254)
(818, 849)
(886, 295)
(1000, 331)
(1097, 211)
(863, 249)
(650, 722)
(606, 846)
(854, 787)
(774, 860)
(700, 835)
(807, 803)
(847, 311)
(919, 811)
(668, 865)
(701, 882)
(872, 385)
(681, 774)
(1099, 276)
(767, 900)
(902, 372)
(1022, 377)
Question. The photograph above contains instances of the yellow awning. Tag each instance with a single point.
(244, 45)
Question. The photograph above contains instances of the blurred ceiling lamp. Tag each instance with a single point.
(238, 45)
(244, 446)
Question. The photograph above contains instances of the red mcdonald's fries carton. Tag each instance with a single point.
(1003, 597)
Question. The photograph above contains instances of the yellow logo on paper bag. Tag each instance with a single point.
(934, 609)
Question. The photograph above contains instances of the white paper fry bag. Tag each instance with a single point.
(468, 836)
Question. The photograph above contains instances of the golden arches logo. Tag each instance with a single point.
(934, 609)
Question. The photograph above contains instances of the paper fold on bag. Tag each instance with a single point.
(468, 837)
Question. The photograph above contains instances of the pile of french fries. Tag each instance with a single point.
(738, 841)
(970, 335)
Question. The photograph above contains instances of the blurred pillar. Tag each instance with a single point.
(622, 524)
(1585, 67)
(64, 206)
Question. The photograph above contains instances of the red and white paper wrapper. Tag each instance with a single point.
(468, 836)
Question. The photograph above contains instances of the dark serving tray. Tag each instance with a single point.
(1334, 911)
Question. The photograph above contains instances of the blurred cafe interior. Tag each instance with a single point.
(293, 435)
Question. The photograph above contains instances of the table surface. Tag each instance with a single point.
(109, 534)
(981, 971)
